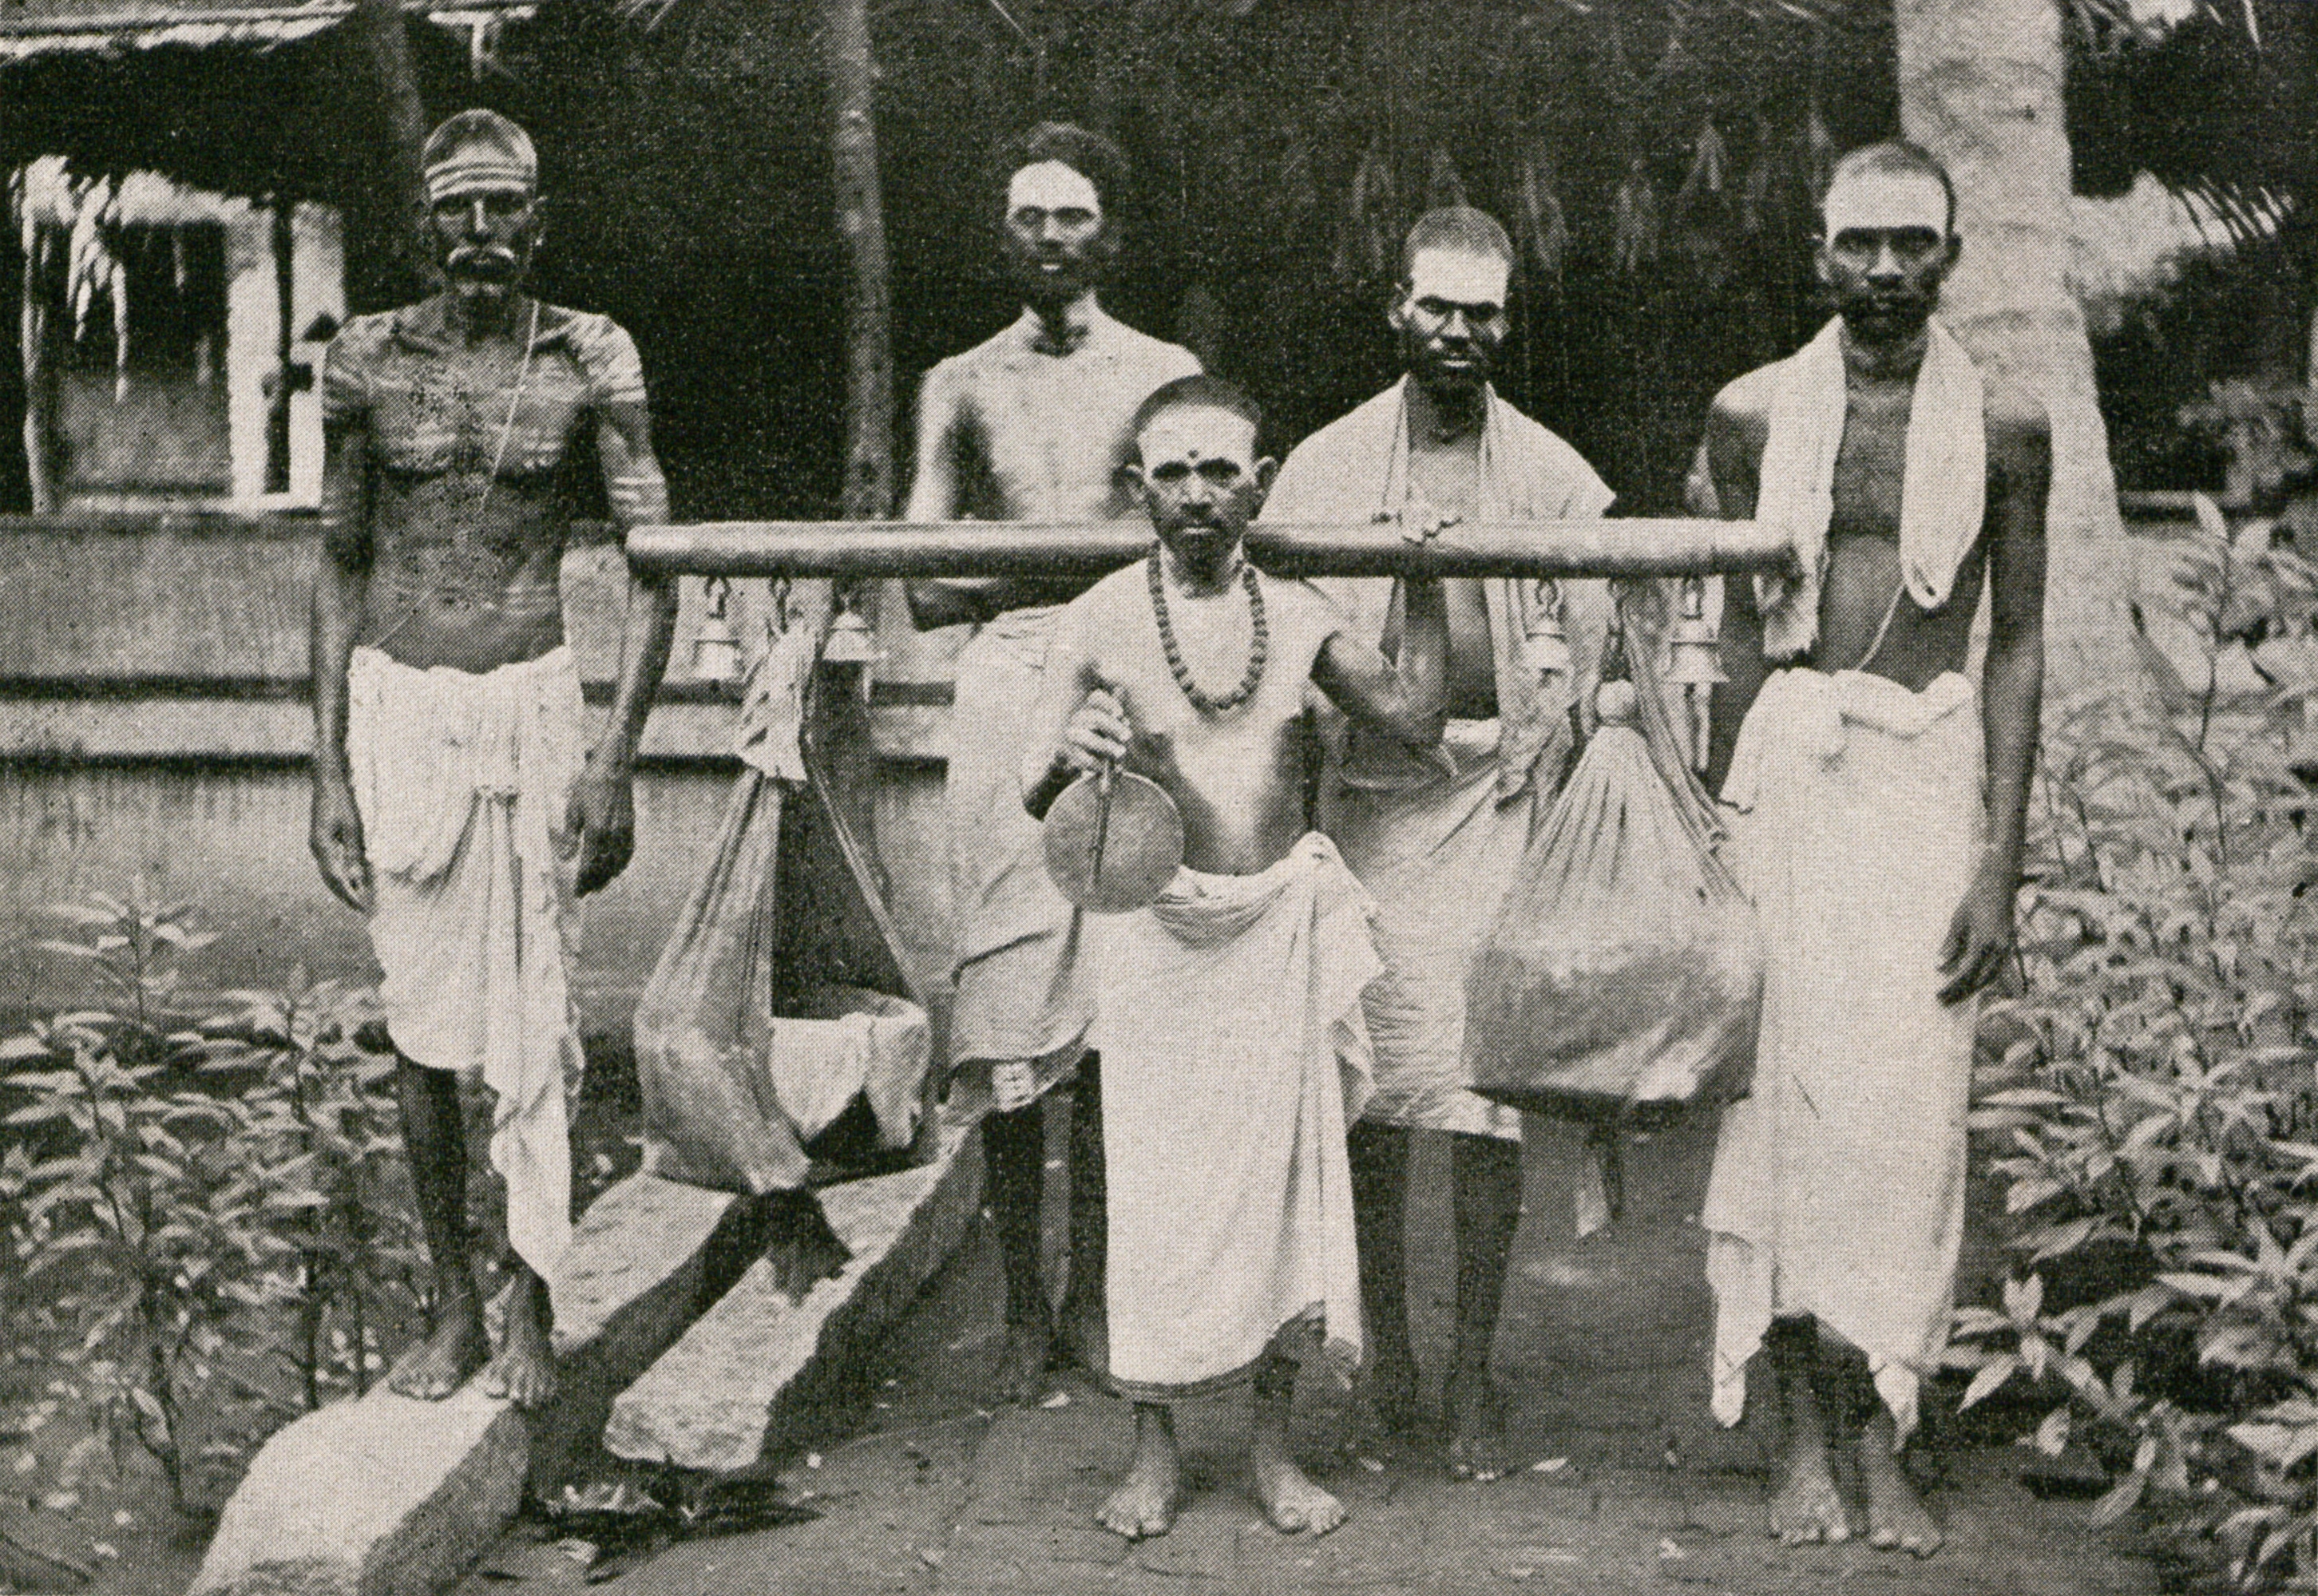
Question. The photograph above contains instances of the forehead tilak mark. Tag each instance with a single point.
(1885, 201)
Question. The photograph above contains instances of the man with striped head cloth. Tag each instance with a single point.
(456, 802)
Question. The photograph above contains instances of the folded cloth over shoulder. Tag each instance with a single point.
(1942, 505)
(1233, 1055)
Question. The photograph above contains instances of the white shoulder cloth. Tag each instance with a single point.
(1942, 504)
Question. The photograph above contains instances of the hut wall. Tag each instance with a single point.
(154, 729)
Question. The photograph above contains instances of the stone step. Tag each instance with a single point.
(752, 1370)
(387, 1496)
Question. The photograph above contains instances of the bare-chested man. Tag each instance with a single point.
(1229, 1012)
(1879, 833)
(1031, 425)
(1438, 840)
(455, 802)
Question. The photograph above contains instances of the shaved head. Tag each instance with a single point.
(1200, 391)
(1459, 230)
(1895, 157)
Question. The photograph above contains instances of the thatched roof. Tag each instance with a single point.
(45, 27)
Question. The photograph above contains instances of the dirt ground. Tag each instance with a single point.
(926, 1489)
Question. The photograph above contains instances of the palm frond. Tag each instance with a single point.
(650, 13)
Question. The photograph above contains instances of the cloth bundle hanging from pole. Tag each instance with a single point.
(733, 1094)
(1624, 972)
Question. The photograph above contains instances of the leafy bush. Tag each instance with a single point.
(2268, 431)
(2152, 1097)
(202, 1198)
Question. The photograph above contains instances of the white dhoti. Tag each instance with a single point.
(1021, 995)
(1838, 1187)
(1437, 858)
(463, 780)
(1234, 1054)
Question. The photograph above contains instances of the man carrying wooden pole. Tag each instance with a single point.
(1032, 423)
(1437, 838)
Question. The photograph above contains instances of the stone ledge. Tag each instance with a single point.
(756, 1362)
(387, 1496)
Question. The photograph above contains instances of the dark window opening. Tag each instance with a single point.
(176, 294)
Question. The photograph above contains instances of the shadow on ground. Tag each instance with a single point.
(922, 1490)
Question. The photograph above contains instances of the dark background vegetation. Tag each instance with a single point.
(687, 161)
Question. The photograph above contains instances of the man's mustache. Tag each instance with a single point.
(488, 260)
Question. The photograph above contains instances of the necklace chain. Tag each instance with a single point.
(462, 532)
(1259, 650)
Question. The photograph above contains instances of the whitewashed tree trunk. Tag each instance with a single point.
(1979, 86)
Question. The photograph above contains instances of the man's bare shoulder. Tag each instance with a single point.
(363, 335)
(1140, 348)
(990, 354)
(1297, 596)
(1297, 609)
(1745, 401)
(1096, 614)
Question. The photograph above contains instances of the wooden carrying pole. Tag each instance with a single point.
(1635, 548)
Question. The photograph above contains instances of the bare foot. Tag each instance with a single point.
(438, 1365)
(1479, 1449)
(1023, 1368)
(1808, 1509)
(524, 1370)
(1290, 1499)
(1897, 1519)
(1145, 1502)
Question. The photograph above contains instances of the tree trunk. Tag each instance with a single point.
(388, 257)
(861, 222)
(39, 355)
(1979, 86)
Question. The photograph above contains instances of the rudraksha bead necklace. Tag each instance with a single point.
(1257, 654)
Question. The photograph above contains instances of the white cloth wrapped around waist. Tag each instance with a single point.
(1438, 855)
(1839, 1186)
(1234, 1056)
(463, 780)
(1015, 942)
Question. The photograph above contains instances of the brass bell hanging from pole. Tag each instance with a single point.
(1695, 667)
(1545, 630)
(851, 639)
(1697, 649)
(716, 646)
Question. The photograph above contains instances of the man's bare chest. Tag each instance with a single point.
(438, 415)
(1220, 654)
(1446, 479)
(1871, 471)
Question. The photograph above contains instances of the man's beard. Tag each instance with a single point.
(1886, 317)
(1045, 289)
(1418, 357)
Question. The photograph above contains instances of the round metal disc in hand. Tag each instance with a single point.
(1110, 852)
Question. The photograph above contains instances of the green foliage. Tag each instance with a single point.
(2269, 431)
(2152, 1103)
(200, 1200)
